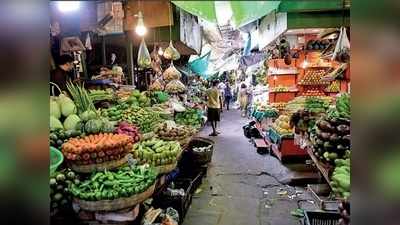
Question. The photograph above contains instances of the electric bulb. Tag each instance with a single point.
(275, 77)
(304, 64)
(140, 29)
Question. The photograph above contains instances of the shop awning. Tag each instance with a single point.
(202, 9)
(244, 12)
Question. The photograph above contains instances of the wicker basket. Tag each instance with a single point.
(201, 158)
(116, 204)
(163, 169)
(98, 167)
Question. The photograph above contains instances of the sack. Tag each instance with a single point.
(144, 59)
(342, 49)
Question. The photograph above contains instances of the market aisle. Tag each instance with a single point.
(241, 186)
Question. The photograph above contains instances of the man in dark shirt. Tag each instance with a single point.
(62, 74)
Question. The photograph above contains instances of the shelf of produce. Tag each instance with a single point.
(283, 96)
(323, 168)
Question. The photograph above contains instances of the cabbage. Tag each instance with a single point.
(55, 123)
(55, 109)
(71, 122)
(67, 107)
(88, 115)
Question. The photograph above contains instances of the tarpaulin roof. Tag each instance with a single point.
(244, 12)
(202, 9)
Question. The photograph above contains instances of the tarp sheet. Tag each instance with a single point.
(202, 9)
(245, 12)
(190, 31)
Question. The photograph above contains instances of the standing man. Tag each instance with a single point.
(228, 95)
(214, 105)
(221, 88)
(62, 73)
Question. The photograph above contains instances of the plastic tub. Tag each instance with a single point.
(56, 158)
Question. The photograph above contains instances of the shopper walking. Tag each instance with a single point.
(214, 105)
(243, 99)
(228, 95)
(221, 88)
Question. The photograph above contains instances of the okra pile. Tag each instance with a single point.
(109, 185)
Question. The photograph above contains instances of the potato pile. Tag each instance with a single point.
(173, 133)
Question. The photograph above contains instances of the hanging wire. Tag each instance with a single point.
(170, 22)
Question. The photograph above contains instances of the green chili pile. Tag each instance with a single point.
(109, 185)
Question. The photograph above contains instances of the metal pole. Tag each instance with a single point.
(103, 50)
(129, 54)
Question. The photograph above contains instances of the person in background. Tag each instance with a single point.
(249, 100)
(214, 105)
(243, 99)
(62, 74)
(228, 95)
(221, 88)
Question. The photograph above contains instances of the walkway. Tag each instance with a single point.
(241, 187)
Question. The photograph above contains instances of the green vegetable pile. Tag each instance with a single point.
(144, 118)
(138, 99)
(157, 152)
(109, 185)
(189, 117)
(60, 184)
(340, 179)
(100, 95)
(343, 105)
(312, 104)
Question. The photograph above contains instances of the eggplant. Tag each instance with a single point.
(334, 138)
(324, 125)
(328, 146)
(319, 142)
(325, 136)
(343, 129)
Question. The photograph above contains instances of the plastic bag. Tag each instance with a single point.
(154, 55)
(342, 49)
(171, 73)
(171, 53)
(157, 85)
(175, 86)
(144, 59)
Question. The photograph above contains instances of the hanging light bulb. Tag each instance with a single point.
(275, 77)
(304, 64)
(140, 29)
(160, 51)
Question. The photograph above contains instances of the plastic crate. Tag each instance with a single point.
(321, 218)
(179, 203)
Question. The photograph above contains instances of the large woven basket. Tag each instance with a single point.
(201, 158)
(163, 169)
(116, 204)
(98, 167)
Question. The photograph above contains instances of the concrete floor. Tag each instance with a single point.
(242, 187)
